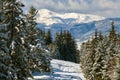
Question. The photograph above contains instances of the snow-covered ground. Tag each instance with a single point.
(62, 70)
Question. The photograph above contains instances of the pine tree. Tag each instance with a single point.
(100, 36)
(48, 38)
(59, 43)
(13, 13)
(20, 46)
(56, 53)
(116, 75)
(112, 33)
(99, 57)
(13, 58)
(95, 38)
(30, 37)
(66, 46)
(85, 60)
(39, 59)
(5, 59)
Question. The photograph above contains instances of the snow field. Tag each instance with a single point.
(62, 70)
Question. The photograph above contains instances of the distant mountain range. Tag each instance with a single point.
(82, 26)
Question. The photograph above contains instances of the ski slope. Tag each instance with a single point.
(62, 70)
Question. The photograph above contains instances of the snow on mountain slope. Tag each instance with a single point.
(81, 26)
(84, 31)
(49, 17)
(63, 70)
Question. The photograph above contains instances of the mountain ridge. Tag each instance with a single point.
(81, 31)
(49, 17)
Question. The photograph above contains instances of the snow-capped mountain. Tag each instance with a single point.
(49, 17)
(82, 26)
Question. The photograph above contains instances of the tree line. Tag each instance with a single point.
(100, 56)
(63, 47)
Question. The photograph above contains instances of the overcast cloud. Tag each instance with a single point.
(106, 8)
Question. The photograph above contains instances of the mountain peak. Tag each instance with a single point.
(48, 17)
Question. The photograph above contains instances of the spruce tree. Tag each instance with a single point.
(112, 33)
(48, 38)
(99, 57)
(66, 46)
(39, 59)
(14, 56)
(116, 74)
(13, 13)
(59, 43)
(100, 36)
(6, 69)
(20, 45)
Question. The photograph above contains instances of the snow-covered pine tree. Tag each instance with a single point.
(101, 64)
(87, 56)
(104, 60)
(6, 70)
(13, 24)
(116, 73)
(15, 47)
(39, 56)
(85, 59)
(115, 59)
(13, 13)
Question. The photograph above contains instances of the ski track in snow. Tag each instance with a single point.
(62, 70)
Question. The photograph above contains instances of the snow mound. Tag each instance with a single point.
(62, 70)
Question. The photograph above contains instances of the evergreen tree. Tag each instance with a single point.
(99, 57)
(116, 75)
(39, 59)
(66, 46)
(48, 38)
(13, 13)
(31, 37)
(100, 36)
(20, 45)
(112, 33)
(86, 60)
(5, 58)
(56, 53)
(59, 43)
(14, 25)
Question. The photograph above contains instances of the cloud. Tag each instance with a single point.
(106, 8)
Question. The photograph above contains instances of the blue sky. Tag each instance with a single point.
(106, 8)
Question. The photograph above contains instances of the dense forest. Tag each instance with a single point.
(100, 56)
